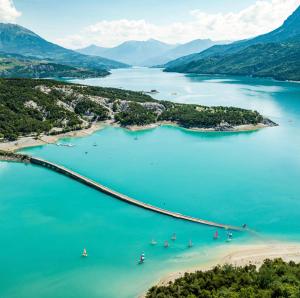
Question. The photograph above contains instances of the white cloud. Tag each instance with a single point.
(261, 17)
(8, 11)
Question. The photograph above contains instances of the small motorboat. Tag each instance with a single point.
(142, 258)
(84, 253)
(216, 235)
(190, 245)
(173, 238)
(166, 244)
(153, 242)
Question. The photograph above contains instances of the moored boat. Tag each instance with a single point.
(216, 235)
(84, 253)
(153, 242)
(142, 258)
(229, 236)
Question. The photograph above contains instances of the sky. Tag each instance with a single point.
(79, 23)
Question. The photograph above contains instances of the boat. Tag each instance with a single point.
(153, 242)
(216, 235)
(84, 253)
(142, 258)
(166, 244)
(173, 237)
(65, 145)
(95, 145)
(190, 244)
(229, 237)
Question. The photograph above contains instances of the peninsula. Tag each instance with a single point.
(37, 108)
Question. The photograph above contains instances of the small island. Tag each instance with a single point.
(31, 108)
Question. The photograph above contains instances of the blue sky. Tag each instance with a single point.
(76, 23)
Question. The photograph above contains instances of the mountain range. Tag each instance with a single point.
(15, 39)
(275, 54)
(148, 53)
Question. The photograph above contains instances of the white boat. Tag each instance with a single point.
(166, 244)
(190, 244)
(173, 238)
(64, 145)
(84, 253)
(153, 242)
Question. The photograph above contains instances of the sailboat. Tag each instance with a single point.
(84, 253)
(216, 235)
(153, 242)
(190, 244)
(142, 258)
(166, 244)
(173, 237)
(229, 236)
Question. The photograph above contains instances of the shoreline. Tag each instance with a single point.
(239, 255)
(27, 142)
(238, 128)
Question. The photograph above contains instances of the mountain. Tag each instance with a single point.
(194, 46)
(131, 52)
(259, 56)
(148, 53)
(18, 66)
(280, 61)
(19, 40)
(93, 50)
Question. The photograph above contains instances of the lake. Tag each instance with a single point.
(250, 177)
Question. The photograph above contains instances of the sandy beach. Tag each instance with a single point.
(240, 255)
(26, 142)
(239, 128)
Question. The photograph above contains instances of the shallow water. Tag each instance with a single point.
(46, 219)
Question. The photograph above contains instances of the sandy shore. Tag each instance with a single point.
(240, 255)
(239, 128)
(26, 142)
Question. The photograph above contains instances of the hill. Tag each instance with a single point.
(19, 40)
(212, 59)
(280, 61)
(18, 66)
(32, 107)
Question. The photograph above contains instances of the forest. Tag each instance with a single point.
(273, 279)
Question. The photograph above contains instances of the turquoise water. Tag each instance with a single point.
(46, 219)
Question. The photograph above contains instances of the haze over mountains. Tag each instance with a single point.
(148, 53)
(275, 54)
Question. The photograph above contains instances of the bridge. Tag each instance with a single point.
(69, 173)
